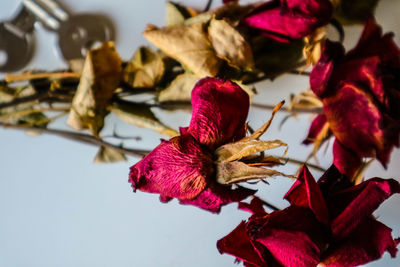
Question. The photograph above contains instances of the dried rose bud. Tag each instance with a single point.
(199, 166)
(328, 223)
(360, 92)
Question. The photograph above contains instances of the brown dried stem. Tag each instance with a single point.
(84, 138)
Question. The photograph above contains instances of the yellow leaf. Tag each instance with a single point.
(100, 77)
(187, 44)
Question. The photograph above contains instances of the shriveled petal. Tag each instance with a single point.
(293, 236)
(291, 248)
(367, 243)
(355, 120)
(215, 196)
(220, 109)
(291, 19)
(177, 168)
(316, 127)
(323, 70)
(239, 244)
(373, 43)
(306, 193)
(254, 207)
(345, 160)
(353, 205)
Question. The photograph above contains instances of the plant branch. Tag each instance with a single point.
(299, 162)
(293, 110)
(10, 78)
(84, 138)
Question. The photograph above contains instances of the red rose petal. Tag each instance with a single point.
(220, 109)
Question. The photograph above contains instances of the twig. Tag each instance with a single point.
(10, 78)
(299, 72)
(293, 110)
(338, 26)
(84, 138)
(299, 162)
(21, 100)
(208, 6)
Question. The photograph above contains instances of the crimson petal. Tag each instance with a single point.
(220, 109)
(215, 196)
(316, 127)
(305, 193)
(178, 168)
(239, 244)
(367, 243)
(289, 19)
(358, 202)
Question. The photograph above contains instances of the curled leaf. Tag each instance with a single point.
(236, 172)
(145, 69)
(177, 13)
(242, 149)
(187, 44)
(100, 77)
(108, 155)
(180, 89)
(141, 116)
(230, 45)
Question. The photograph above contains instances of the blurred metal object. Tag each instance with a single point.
(17, 41)
(77, 33)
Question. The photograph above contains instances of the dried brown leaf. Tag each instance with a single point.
(235, 172)
(141, 116)
(100, 77)
(242, 149)
(230, 45)
(187, 44)
(108, 155)
(145, 69)
(177, 14)
(180, 89)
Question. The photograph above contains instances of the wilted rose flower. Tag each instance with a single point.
(329, 223)
(286, 20)
(199, 166)
(360, 92)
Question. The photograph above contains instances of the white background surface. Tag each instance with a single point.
(57, 208)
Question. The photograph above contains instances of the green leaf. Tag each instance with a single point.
(100, 77)
(141, 115)
(108, 155)
(145, 69)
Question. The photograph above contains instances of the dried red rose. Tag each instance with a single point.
(286, 20)
(360, 92)
(328, 223)
(182, 167)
